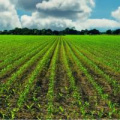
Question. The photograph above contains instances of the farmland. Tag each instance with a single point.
(59, 77)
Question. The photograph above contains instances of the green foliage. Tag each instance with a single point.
(67, 77)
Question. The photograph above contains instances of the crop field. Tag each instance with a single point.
(59, 77)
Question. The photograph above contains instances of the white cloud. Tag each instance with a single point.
(116, 14)
(66, 8)
(8, 15)
(54, 14)
(56, 23)
(35, 21)
(98, 23)
(64, 5)
(58, 14)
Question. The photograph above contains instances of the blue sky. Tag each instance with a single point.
(23, 12)
(103, 8)
(59, 14)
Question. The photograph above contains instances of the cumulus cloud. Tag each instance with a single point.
(66, 8)
(58, 14)
(53, 23)
(98, 23)
(8, 15)
(54, 14)
(116, 14)
(79, 9)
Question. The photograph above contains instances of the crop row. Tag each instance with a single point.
(32, 79)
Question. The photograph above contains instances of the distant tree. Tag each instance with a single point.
(69, 31)
(61, 32)
(49, 32)
(84, 32)
(66, 31)
(109, 32)
(117, 32)
(55, 32)
(35, 32)
(94, 32)
(43, 31)
(26, 31)
(72, 32)
(5, 32)
(17, 31)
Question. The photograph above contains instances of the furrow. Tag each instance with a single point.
(15, 66)
(21, 71)
(103, 96)
(93, 67)
(32, 79)
(75, 92)
(52, 76)
(12, 59)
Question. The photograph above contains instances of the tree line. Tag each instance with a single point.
(67, 31)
